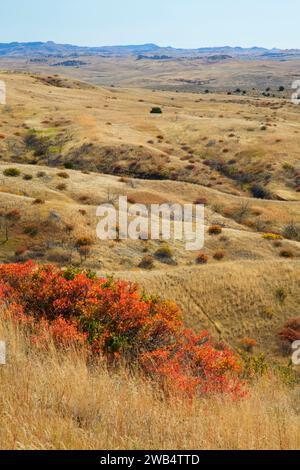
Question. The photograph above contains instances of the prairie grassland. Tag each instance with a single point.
(232, 299)
(229, 297)
(107, 131)
(195, 150)
(188, 142)
(183, 75)
(54, 400)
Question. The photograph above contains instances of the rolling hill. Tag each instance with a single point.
(75, 145)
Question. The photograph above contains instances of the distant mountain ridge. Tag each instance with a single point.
(50, 48)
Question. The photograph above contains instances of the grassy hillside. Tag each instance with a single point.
(223, 71)
(228, 143)
(73, 146)
(67, 146)
(55, 401)
(238, 292)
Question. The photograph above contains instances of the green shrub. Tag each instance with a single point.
(164, 253)
(70, 273)
(288, 166)
(287, 375)
(281, 294)
(260, 192)
(156, 110)
(40, 145)
(31, 230)
(254, 366)
(12, 172)
(272, 236)
(63, 174)
(268, 312)
(292, 231)
(286, 254)
(61, 187)
(147, 262)
(69, 166)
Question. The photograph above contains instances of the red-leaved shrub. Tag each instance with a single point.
(291, 330)
(114, 319)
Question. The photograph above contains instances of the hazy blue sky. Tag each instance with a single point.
(185, 23)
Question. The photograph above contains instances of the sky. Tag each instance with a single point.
(178, 23)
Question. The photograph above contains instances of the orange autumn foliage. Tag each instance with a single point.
(112, 318)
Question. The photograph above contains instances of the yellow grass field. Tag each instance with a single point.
(67, 146)
(54, 401)
(110, 130)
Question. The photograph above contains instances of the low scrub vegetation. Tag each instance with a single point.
(63, 400)
(12, 172)
(27, 177)
(8, 220)
(156, 110)
(289, 333)
(113, 319)
(215, 230)
(61, 187)
(259, 191)
(219, 255)
(63, 174)
(248, 344)
(272, 236)
(147, 262)
(202, 258)
(292, 231)
(164, 254)
(286, 254)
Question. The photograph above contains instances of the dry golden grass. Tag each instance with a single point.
(171, 74)
(230, 295)
(191, 127)
(54, 400)
(231, 298)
